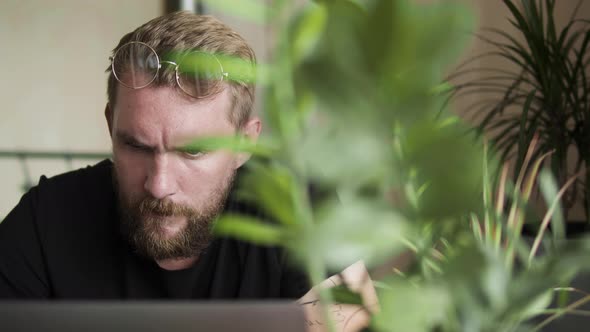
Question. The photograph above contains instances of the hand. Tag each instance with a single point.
(346, 317)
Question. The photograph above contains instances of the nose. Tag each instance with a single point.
(160, 181)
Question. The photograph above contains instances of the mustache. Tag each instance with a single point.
(165, 208)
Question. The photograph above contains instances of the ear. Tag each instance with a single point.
(108, 114)
(251, 130)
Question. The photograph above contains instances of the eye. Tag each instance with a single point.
(192, 153)
(136, 146)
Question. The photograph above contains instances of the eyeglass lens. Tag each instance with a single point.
(135, 65)
(199, 73)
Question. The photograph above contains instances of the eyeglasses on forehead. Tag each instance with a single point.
(136, 65)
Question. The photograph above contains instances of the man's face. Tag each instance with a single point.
(168, 195)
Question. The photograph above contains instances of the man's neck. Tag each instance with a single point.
(173, 264)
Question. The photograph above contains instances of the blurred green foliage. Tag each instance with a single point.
(353, 101)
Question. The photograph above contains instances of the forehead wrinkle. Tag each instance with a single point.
(160, 117)
(202, 124)
(173, 135)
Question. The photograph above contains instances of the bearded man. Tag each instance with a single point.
(139, 226)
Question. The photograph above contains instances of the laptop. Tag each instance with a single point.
(150, 316)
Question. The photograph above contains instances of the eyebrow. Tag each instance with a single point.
(128, 138)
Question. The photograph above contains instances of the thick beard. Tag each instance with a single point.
(141, 221)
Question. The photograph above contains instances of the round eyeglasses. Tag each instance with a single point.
(198, 74)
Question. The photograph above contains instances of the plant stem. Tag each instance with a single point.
(586, 190)
(561, 312)
(317, 273)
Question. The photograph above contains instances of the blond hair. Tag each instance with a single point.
(182, 31)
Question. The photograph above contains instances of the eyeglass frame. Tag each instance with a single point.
(224, 74)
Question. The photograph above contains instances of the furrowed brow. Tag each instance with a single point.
(128, 138)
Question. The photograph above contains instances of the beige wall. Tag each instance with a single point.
(53, 84)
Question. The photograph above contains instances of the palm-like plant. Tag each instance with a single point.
(546, 93)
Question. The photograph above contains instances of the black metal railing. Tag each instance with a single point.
(24, 156)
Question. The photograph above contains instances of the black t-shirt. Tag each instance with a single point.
(63, 241)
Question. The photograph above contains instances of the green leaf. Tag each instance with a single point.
(524, 139)
(337, 81)
(537, 304)
(307, 30)
(250, 10)
(477, 275)
(342, 294)
(236, 143)
(248, 229)
(346, 153)
(408, 307)
(353, 230)
(270, 187)
(442, 88)
(550, 193)
(445, 157)
(240, 70)
(407, 46)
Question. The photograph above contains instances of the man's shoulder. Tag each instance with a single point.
(78, 198)
(98, 175)
(61, 238)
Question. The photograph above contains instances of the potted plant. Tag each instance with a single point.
(540, 88)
